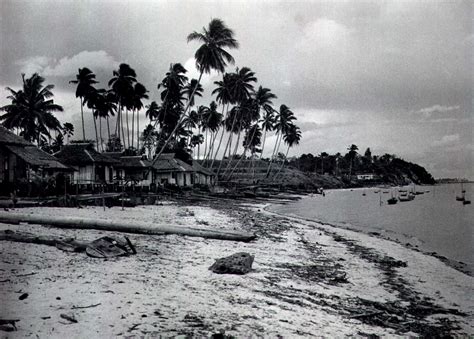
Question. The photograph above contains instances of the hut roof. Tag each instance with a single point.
(200, 169)
(83, 154)
(168, 163)
(36, 157)
(129, 161)
(9, 138)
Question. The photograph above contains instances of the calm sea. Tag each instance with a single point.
(434, 221)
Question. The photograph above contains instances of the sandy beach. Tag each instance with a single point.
(308, 279)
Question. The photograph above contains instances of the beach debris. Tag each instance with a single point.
(108, 247)
(89, 306)
(238, 263)
(8, 325)
(125, 226)
(23, 296)
(70, 317)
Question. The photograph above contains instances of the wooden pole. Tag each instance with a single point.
(124, 226)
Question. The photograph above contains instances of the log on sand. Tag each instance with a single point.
(123, 226)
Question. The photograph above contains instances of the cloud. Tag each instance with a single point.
(90, 59)
(428, 111)
(447, 140)
(32, 65)
(67, 66)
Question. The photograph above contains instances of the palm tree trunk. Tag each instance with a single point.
(273, 153)
(180, 121)
(263, 142)
(138, 130)
(218, 148)
(123, 130)
(100, 134)
(244, 153)
(133, 126)
(95, 128)
(108, 128)
(283, 164)
(82, 117)
(128, 129)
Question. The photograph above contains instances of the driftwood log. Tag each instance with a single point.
(64, 244)
(123, 226)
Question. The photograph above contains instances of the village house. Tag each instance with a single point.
(21, 162)
(170, 170)
(202, 175)
(91, 166)
(134, 169)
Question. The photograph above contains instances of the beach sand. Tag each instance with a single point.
(308, 279)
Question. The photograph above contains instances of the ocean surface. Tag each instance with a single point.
(434, 221)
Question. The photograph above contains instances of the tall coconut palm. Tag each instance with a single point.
(68, 130)
(193, 87)
(211, 55)
(291, 137)
(284, 120)
(93, 98)
(85, 79)
(241, 91)
(268, 124)
(152, 111)
(224, 97)
(139, 93)
(211, 123)
(122, 85)
(105, 107)
(262, 99)
(31, 110)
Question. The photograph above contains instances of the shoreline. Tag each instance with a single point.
(457, 265)
(306, 281)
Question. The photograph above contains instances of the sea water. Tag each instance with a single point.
(434, 221)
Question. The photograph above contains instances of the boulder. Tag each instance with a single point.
(238, 263)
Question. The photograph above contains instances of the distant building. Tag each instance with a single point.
(202, 175)
(170, 170)
(369, 176)
(133, 169)
(91, 166)
(21, 161)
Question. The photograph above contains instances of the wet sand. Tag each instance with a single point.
(308, 279)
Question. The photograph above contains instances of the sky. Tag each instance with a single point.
(395, 76)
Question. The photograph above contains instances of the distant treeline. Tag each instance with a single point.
(388, 168)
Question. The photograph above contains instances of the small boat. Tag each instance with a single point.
(376, 191)
(466, 202)
(419, 192)
(385, 192)
(458, 198)
(406, 197)
(462, 197)
(392, 201)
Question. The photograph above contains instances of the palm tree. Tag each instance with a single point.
(268, 124)
(193, 87)
(31, 110)
(85, 80)
(105, 106)
(152, 111)
(122, 85)
(291, 137)
(139, 93)
(92, 98)
(211, 122)
(284, 120)
(323, 155)
(211, 55)
(68, 130)
(352, 154)
(241, 89)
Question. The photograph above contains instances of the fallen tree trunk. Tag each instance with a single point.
(29, 238)
(123, 226)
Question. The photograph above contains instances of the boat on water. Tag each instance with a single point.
(461, 197)
(406, 196)
(392, 200)
(466, 202)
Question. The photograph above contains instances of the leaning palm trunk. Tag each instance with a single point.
(95, 128)
(243, 155)
(229, 143)
(236, 147)
(283, 164)
(273, 153)
(222, 136)
(263, 142)
(180, 121)
(108, 128)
